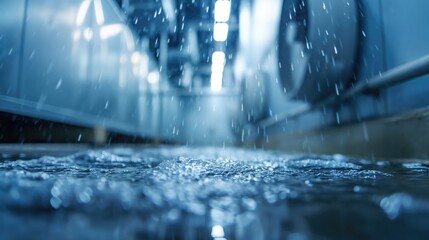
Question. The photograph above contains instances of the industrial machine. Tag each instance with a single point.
(303, 75)
(339, 87)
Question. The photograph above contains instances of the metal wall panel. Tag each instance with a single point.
(406, 39)
(79, 64)
(11, 23)
(56, 54)
(406, 31)
(370, 61)
(114, 88)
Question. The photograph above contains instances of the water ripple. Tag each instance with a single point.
(234, 188)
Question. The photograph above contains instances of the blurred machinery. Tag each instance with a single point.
(302, 75)
(140, 68)
(75, 62)
(360, 75)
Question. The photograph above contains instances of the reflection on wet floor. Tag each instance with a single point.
(211, 193)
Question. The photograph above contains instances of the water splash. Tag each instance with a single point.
(156, 192)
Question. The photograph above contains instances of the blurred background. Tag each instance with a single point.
(214, 119)
(313, 76)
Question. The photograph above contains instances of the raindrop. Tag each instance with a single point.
(55, 202)
(60, 81)
(85, 195)
(79, 137)
(394, 204)
(173, 214)
(356, 189)
(363, 33)
(376, 47)
(365, 132)
(50, 66)
(32, 55)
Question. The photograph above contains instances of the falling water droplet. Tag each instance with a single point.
(32, 54)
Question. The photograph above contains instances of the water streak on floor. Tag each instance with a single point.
(211, 193)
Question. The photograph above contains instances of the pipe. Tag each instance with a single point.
(403, 73)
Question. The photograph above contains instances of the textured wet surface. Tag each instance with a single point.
(182, 193)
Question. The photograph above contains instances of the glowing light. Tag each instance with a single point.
(218, 61)
(222, 11)
(110, 31)
(216, 81)
(135, 57)
(82, 12)
(217, 231)
(76, 35)
(87, 34)
(153, 78)
(220, 32)
(99, 14)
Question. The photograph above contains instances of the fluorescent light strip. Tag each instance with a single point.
(99, 14)
(220, 32)
(222, 11)
(82, 12)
